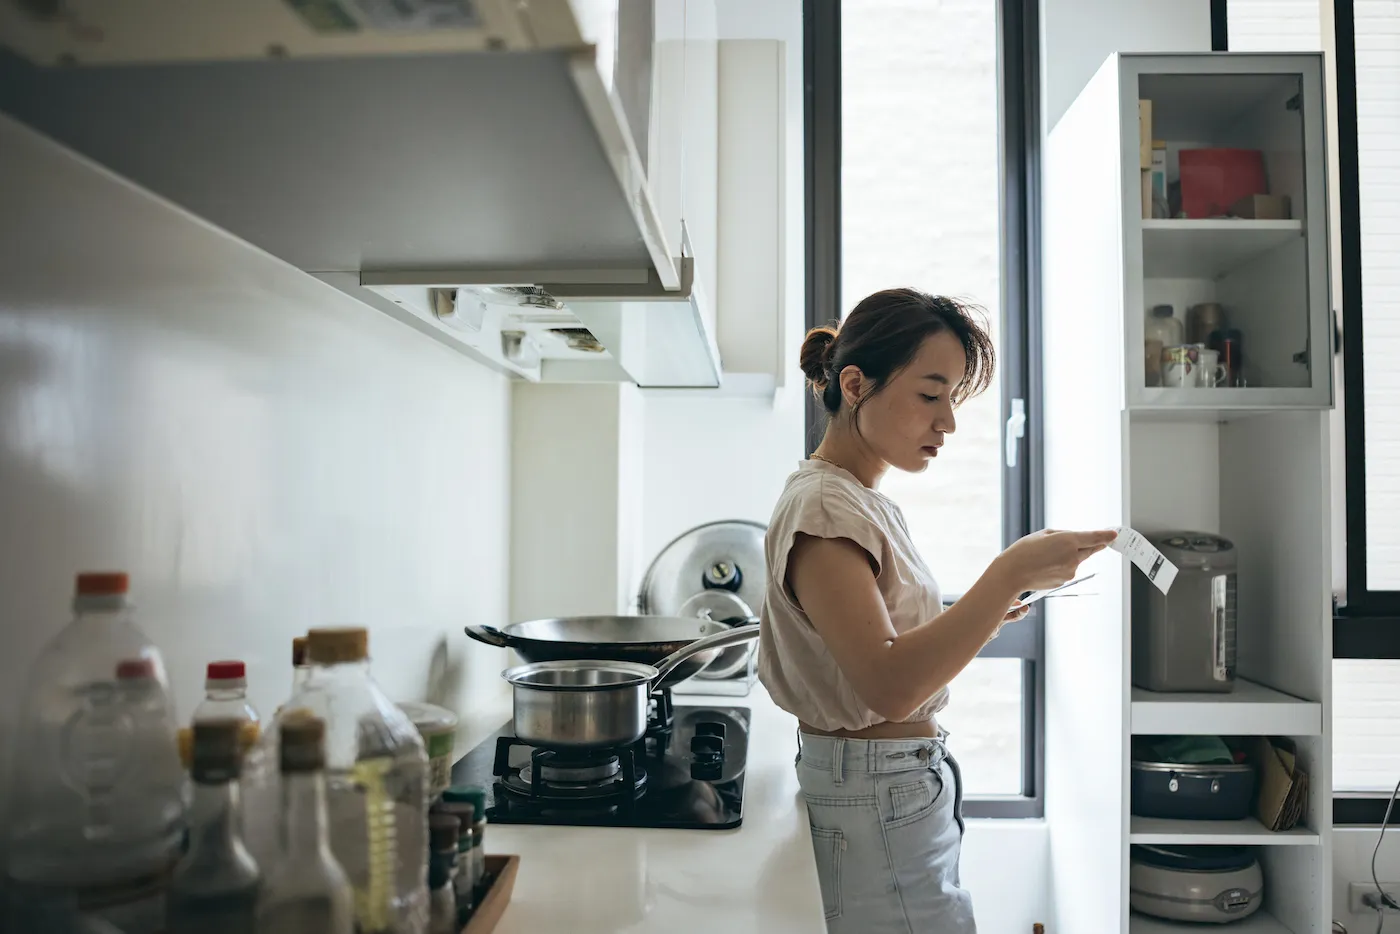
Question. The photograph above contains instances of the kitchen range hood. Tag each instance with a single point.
(405, 152)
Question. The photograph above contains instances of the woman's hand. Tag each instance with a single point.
(1049, 558)
(1018, 611)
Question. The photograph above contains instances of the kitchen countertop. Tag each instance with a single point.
(760, 877)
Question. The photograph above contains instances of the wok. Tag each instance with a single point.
(645, 640)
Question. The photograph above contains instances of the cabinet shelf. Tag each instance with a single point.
(1208, 249)
(1249, 710)
(1257, 923)
(1247, 832)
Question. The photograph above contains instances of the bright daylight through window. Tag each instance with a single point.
(1366, 691)
(919, 201)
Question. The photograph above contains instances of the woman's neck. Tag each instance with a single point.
(846, 449)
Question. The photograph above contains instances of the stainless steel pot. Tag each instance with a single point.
(590, 703)
(642, 639)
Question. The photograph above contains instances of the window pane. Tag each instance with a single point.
(919, 201)
(1365, 724)
(984, 722)
(1378, 145)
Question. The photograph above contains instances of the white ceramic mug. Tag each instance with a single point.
(1181, 365)
(1211, 373)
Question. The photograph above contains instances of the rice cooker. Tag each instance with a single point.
(1184, 640)
(1203, 884)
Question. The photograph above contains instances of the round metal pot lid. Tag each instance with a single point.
(725, 555)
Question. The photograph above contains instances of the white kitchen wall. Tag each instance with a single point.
(261, 452)
(576, 468)
(1077, 35)
(1352, 848)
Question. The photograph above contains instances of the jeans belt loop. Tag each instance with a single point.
(838, 756)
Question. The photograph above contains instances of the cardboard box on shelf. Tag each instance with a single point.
(1158, 172)
(1263, 207)
(1283, 785)
(1144, 134)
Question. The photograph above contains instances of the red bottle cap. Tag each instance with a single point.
(225, 671)
(102, 584)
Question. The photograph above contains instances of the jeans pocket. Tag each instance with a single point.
(828, 846)
(910, 801)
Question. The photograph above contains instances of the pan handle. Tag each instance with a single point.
(488, 634)
(719, 640)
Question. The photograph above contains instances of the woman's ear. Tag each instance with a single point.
(853, 387)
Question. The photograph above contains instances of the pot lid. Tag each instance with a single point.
(726, 555)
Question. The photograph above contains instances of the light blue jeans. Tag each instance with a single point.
(887, 829)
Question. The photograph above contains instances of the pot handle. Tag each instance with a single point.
(488, 634)
(719, 640)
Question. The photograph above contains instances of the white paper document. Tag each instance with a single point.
(1151, 562)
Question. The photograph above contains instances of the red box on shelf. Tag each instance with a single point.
(1214, 179)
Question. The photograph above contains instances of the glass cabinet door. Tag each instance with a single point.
(1225, 232)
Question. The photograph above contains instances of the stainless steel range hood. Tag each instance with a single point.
(371, 170)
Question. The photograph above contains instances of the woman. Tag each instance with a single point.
(855, 641)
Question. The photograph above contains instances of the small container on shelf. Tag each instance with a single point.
(438, 727)
(1161, 330)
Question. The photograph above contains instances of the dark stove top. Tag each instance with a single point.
(690, 776)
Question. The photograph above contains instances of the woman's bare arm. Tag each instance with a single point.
(894, 674)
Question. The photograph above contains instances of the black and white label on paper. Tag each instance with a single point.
(1151, 562)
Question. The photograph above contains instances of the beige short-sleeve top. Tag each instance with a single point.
(825, 501)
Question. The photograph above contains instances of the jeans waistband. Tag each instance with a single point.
(839, 754)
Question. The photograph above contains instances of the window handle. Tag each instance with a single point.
(1015, 430)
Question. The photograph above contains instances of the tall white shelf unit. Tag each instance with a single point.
(1250, 463)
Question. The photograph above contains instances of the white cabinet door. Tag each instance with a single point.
(752, 172)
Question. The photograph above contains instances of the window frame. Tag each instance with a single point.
(1365, 622)
(1018, 93)
(1366, 625)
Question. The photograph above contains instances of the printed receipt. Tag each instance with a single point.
(1148, 559)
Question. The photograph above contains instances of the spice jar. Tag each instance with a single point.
(1161, 330)
(1203, 320)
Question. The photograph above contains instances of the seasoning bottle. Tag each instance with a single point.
(226, 697)
(307, 891)
(215, 887)
(478, 864)
(376, 769)
(301, 668)
(443, 833)
(456, 802)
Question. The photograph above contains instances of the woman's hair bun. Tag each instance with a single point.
(816, 355)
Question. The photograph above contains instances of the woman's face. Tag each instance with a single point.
(905, 422)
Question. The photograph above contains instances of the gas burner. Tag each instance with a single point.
(661, 712)
(556, 776)
(690, 776)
